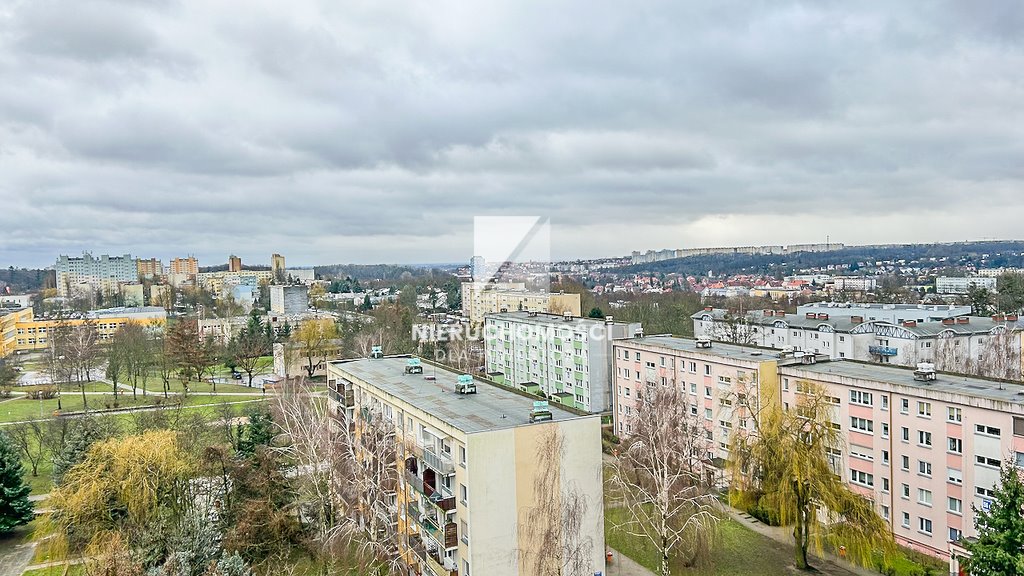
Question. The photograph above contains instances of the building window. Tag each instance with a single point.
(885, 429)
(956, 445)
(462, 456)
(906, 491)
(885, 457)
(905, 433)
(924, 525)
(693, 387)
(986, 461)
(954, 414)
(924, 438)
(707, 391)
(465, 568)
(859, 397)
(862, 478)
(637, 356)
(463, 494)
(987, 430)
(905, 463)
(924, 468)
(885, 402)
(707, 370)
(924, 496)
(1018, 426)
(785, 383)
(955, 534)
(707, 414)
(904, 406)
(924, 409)
(464, 531)
(885, 484)
(862, 425)
(906, 520)
(954, 476)
(955, 505)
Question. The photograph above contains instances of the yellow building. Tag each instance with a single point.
(184, 266)
(149, 268)
(32, 333)
(9, 320)
(480, 298)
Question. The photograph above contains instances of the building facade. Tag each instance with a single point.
(566, 358)
(984, 345)
(468, 466)
(923, 449)
(479, 299)
(33, 333)
(99, 274)
(9, 320)
(149, 268)
(277, 266)
(893, 313)
(234, 263)
(221, 283)
(289, 299)
(962, 285)
(184, 266)
(15, 300)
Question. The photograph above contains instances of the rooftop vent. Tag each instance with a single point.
(703, 343)
(910, 323)
(948, 321)
(925, 372)
(808, 359)
(377, 352)
(465, 384)
(810, 316)
(540, 412)
(413, 366)
(638, 333)
(822, 316)
(857, 319)
(567, 316)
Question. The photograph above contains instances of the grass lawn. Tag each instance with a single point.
(21, 409)
(76, 570)
(70, 387)
(153, 383)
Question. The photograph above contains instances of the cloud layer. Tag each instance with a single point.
(375, 130)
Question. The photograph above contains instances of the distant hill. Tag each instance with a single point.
(374, 271)
(1008, 253)
(24, 279)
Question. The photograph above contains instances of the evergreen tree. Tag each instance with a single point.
(258, 432)
(999, 549)
(15, 509)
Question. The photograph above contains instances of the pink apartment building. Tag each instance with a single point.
(923, 448)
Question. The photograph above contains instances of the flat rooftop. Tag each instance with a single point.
(733, 351)
(549, 319)
(491, 408)
(900, 376)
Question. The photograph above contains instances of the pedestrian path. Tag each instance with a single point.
(622, 565)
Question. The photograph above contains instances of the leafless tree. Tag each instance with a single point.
(734, 329)
(953, 355)
(660, 479)
(554, 527)
(348, 470)
(1000, 355)
(30, 440)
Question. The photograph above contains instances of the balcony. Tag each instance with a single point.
(437, 568)
(438, 461)
(882, 351)
(448, 535)
(415, 482)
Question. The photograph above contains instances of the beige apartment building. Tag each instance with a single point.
(479, 299)
(469, 465)
(922, 446)
(184, 266)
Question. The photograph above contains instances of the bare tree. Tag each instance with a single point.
(1000, 355)
(660, 479)
(348, 467)
(30, 440)
(554, 526)
(734, 329)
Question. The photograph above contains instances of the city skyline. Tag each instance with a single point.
(375, 133)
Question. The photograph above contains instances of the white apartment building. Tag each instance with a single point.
(961, 285)
(986, 345)
(854, 283)
(289, 299)
(893, 313)
(103, 273)
(469, 464)
(566, 358)
(479, 298)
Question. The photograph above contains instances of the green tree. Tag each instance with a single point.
(366, 305)
(980, 300)
(79, 437)
(999, 549)
(787, 461)
(258, 431)
(15, 509)
(595, 312)
(1011, 293)
(8, 375)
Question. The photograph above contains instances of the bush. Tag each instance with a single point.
(44, 393)
(6, 392)
(909, 563)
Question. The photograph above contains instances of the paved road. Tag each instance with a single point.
(623, 565)
(15, 556)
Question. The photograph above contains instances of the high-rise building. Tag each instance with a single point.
(149, 268)
(234, 263)
(289, 299)
(566, 358)
(277, 267)
(471, 466)
(90, 273)
(184, 266)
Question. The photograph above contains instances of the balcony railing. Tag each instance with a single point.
(416, 483)
(437, 568)
(439, 462)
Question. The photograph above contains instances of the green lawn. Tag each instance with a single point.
(76, 570)
(20, 409)
(69, 387)
(154, 384)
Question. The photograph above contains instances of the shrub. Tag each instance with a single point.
(6, 392)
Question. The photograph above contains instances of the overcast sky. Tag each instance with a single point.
(374, 131)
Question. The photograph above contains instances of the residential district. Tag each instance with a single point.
(614, 416)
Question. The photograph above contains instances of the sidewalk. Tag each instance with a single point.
(825, 562)
(622, 565)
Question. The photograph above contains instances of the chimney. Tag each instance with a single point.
(822, 316)
(948, 321)
(857, 319)
(769, 312)
(1011, 317)
(810, 315)
(708, 308)
(780, 313)
(997, 318)
(909, 323)
(963, 320)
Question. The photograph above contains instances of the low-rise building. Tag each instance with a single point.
(221, 283)
(854, 283)
(134, 295)
(469, 466)
(563, 357)
(33, 333)
(289, 299)
(986, 345)
(893, 313)
(480, 298)
(9, 320)
(15, 300)
(962, 285)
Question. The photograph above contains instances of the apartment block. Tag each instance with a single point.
(32, 333)
(479, 299)
(234, 263)
(720, 381)
(87, 272)
(277, 266)
(289, 299)
(979, 344)
(149, 268)
(468, 465)
(184, 266)
(221, 283)
(962, 285)
(567, 359)
(9, 320)
(922, 446)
